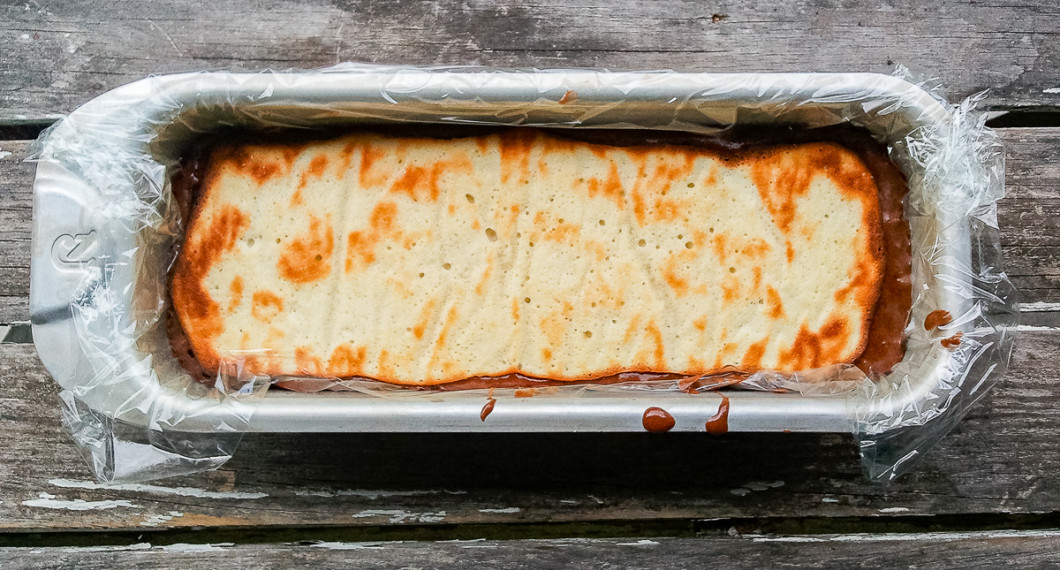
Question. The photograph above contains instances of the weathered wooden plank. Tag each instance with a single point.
(59, 55)
(16, 199)
(1001, 459)
(989, 549)
(1029, 217)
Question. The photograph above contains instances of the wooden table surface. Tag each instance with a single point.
(988, 495)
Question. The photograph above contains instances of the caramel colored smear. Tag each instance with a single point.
(719, 422)
(487, 409)
(952, 342)
(658, 420)
(936, 319)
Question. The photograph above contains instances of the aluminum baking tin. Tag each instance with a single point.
(153, 115)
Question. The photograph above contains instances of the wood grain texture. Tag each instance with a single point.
(1029, 218)
(59, 55)
(852, 551)
(1001, 459)
(16, 205)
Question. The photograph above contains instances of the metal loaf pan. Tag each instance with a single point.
(76, 242)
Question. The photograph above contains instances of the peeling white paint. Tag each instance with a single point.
(155, 520)
(507, 510)
(829, 500)
(348, 545)
(894, 510)
(1051, 90)
(915, 537)
(398, 516)
(84, 549)
(1034, 328)
(48, 501)
(1039, 307)
(641, 542)
(373, 493)
(186, 547)
(156, 489)
(4, 154)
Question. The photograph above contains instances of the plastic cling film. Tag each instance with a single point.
(108, 227)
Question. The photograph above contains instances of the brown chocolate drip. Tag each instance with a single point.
(487, 409)
(936, 319)
(658, 420)
(884, 345)
(719, 422)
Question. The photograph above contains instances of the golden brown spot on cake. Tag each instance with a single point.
(776, 306)
(632, 329)
(758, 277)
(265, 305)
(563, 233)
(199, 313)
(347, 156)
(385, 368)
(719, 242)
(712, 178)
(667, 210)
(812, 350)
(789, 251)
(862, 279)
(383, 216)
(756, 248)
(752, 359)
(730, 288)
(314, 170)
(369, 156)
(345, 361)
(235, 290)
(554, 325)
(542, 166)
(546, 354)
(639, 209)
(359, 245)
(475, 225)
(657, 346)
(514, 147)
(424, 318)
(261, 171)
(781, 178)
(307, 361)
(443, 334)
(418, 182)
(611, 188)
(515, 309)
(700, 324)
(481, 285)
(307, 258)
(672, 279)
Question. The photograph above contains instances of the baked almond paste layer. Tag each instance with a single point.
(424, 261)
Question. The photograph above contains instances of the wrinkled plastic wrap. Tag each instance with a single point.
(107, 230)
